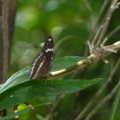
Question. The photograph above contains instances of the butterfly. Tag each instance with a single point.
(43, 63)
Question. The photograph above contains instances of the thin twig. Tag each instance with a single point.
(106, 2)
(88, 6)
(100, 91)
(113, 32)
(56, 104)
(98, 55)
(108, 97)
(90, 38)
(96, 37)
(113, 6)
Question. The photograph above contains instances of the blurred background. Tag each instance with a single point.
(69, 22)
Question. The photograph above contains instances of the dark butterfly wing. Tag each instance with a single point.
(42, 64)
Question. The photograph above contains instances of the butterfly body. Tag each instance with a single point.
(42, 64)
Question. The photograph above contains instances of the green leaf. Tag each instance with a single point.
(19, 88)
(37, 88)
(17, 78)
(22, 75)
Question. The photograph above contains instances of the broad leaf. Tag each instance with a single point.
(17, 78)
(23, 75)
(37, 88)
(18, 88)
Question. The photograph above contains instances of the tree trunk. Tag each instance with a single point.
(7, 17)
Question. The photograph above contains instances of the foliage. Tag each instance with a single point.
(71, 25)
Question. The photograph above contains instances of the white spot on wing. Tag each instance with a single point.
(49, 49)
(49, 39)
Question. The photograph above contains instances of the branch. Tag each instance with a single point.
(91, 35)
(5, 39)
(97, 55)
(113, 7)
